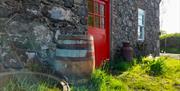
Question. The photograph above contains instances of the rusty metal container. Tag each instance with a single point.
(75, 56)
(127, 51)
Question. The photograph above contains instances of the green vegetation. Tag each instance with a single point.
(170, 35)
(119, 66)
(101, 81)
(28, 83)
(157, 67)
(27, 86)
(170, 43)
(148, 74)
(167, 75)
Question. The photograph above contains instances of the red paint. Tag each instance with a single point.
(100, 34)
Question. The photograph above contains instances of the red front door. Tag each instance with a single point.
(98, 21)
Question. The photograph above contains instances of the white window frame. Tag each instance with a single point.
(141, 24)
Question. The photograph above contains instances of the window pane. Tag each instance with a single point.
(141, 12)
(102, 23)
(141, 32)
(96, 8)
(96, 11)
(140, 22)
(97, 21)
(90, 6)
(101, 9)
(140, 16)
(90, 20)
(143, 19)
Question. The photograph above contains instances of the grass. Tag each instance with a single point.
(101, 81)
(119, 65)
(29, 83)
(169, 43)
(150, 74)
(169, 35)
(138, 78)
(170, 50)
(146, 74)
(26, 86)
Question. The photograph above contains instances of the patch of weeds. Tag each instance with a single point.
(157, 67)
(120, 65)
(101, 81)
(26, 85)
(138, 60)
(144, 77)
(106, 65)
(80, 88)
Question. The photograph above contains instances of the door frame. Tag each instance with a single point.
(106, 26)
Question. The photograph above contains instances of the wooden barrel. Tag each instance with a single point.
(75, 56)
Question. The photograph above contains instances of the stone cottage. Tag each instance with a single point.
(31, 27)
(136, 21)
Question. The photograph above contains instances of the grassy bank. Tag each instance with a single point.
(170, 43)
(158, 74)
(28, 82)
(161, 74)
(101, 81)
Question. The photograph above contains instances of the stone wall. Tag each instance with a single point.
(28, 27)
(125, 26)
(31, 27)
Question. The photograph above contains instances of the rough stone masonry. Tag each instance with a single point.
(28, 27)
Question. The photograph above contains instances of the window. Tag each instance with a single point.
(96, 11)
(141, 24)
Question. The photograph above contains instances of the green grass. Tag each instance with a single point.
(138, 78)
(119, 65)
(170, 50)
(148, 74)
(101, 81)
(29, 83)
(151, 74)
(170, 43)
(26, 86)
(169, 35)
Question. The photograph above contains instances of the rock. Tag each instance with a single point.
(68, 3)
(31, 2)
(33, 12)
(12, 63)
(11, 3)
(16, 27)
(58, 13)
(54, 1)
(78, 1)
(5, 12)
(83, 12)
(42, 34)
(1, 68)
(30, 55)
(83, 21)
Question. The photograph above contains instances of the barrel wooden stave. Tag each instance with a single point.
(75, 56)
